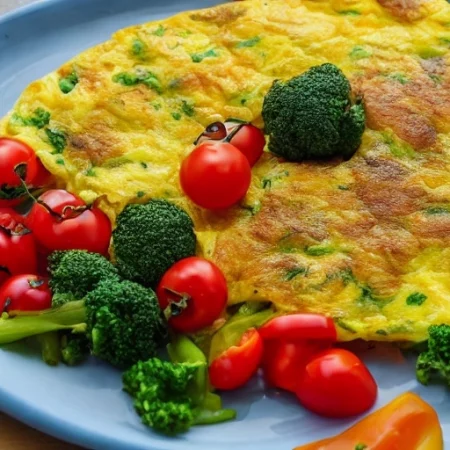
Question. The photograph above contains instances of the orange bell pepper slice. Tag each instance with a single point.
(407, 423)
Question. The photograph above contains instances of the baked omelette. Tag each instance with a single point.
(366, 241)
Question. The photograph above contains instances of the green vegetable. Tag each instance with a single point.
(67, 84)
(249, 43)
(349, 12)
(318, 250)
(151, 237)
(160, 31)
(360, 447)
(360, 52)
(187, 108)
(121, 319)
(402, 79)
(139, 48)
(313, 116)
(199, 57)
(381, 332)
(50, 348)
(176, 115)
(39, 119)
(75, 273)
(434, 363)
(292, 273)
(170, 396)
(344, 325)
(57, 139)
(417, 298)
(74, 348)
(145, 77)
(435, 210)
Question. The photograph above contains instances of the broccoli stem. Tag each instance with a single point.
(208, 417)
(50, 348)
(19, 325)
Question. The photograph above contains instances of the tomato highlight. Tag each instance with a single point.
(237, 365)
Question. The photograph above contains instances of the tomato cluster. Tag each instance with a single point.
(217, 174)
(58, 220)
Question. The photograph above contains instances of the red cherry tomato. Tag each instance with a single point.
(284, 362)
(234, 367)
(248, 139)
(15, 154)
(17, 246)
(43, 176)
(62, 221)
(215, 175)
(194, 293)
(300, 327)
(336, 383)
(25, 293)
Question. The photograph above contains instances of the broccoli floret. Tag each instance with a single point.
(172, 396)
(74, 348)
(312, 116)
(75, 273)
(434, 363)
(150, 238)
(121, 319)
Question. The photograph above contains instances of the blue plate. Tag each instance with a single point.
(86, 405)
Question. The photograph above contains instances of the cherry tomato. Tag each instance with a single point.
(17, 246)
(300, 326)
(284, 362)
(215, 175)
(244, 136)
(43, 176)
(336, 383)
(15, 157)
(62, 221)
(193, 293)
(234, 367)
(248, 139)
(25, 293)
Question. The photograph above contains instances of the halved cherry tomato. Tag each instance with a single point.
(16, 158)
(193, 293)
(17, 246)
(336, 383)
(284, 361)
(295, 327)
(25, 293)
(244, 136)
(215, 175)
(62, 221)
(234, 368)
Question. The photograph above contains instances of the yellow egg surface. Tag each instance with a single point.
(366, 241)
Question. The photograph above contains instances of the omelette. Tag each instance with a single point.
(365, 241)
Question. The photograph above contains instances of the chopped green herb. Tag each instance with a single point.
(160, 31)
(349, 12)
(116, 162)
(187, 108)
(416, 299)
(157, 106)
(144, 165)
(360, 52)
(139, 48)
(368, 296)
(402, 79)
(399, 329)
(140, 194)
(318, 250)
(57, 139)
(436, 78)
(249, 42)
(398, 149)
(428, 53)
(343, 187)
(175, 83)
(381, 332)
(185, 33)
(345, 326)
(90, 172)
(199, 57)
(67, 84)
(254, 209)
(292, 273)
(39, 119)
(176, 115)
(347, 276)
(360, 447)
(434, 210)
(60, 162)
(145, 77)
(266, 182)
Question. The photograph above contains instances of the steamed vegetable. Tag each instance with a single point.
(149, 238)
(313, 116)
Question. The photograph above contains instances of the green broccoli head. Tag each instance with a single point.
(434, 363)
(74, 348)
(150, 238)
(312, 116)
(124, 322)
(74, 273)
(159, 392)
